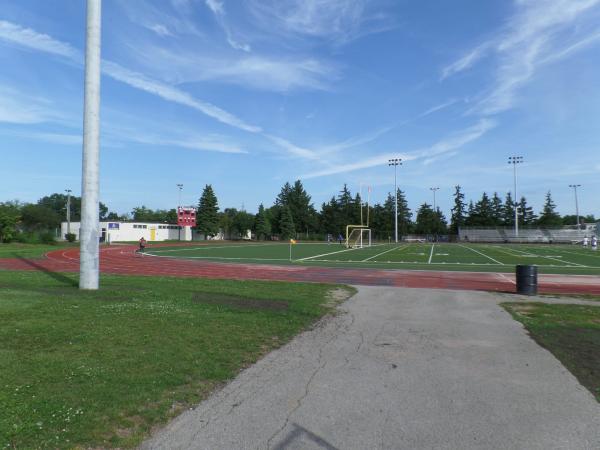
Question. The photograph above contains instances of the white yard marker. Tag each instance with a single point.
(431, 253)
(482, 254)
(383, 253)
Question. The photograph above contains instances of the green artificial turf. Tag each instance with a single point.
(101, 368)
(558, 259)
(570, 332)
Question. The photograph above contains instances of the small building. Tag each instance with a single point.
(118, 231)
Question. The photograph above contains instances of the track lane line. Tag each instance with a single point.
(431, 253)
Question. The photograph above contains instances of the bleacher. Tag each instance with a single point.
(539, 235)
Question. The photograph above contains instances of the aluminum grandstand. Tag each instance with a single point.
(565, 235)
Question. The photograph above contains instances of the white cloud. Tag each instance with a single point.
(218, 9)
(54, 138)
(535, 34)
(29, 38)
(161, 30)
(19, 108)
(201, 143)
(451, 143)
(340, 21)
(174, 94)
(292, 148)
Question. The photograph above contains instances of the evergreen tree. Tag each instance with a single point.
(457, 219)
(242, 223)
(347, 207)
(330, 218)
(297, 199)
(404, 215)
(470, 214)
(430, 221)
(497, 210)
(207, 217)
(526, 214)
(483, 214)
(287, 224)
(508, 212)
(549, 217)
(262, 224)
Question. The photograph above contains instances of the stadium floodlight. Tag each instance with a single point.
(68, 191)
(514, 160)
(180, 186)
(434, 189)
(575, 186)
(89, 253)
(395, 162)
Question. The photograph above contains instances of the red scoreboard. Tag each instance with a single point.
(186, 217)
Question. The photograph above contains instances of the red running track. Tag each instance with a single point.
(124, 261)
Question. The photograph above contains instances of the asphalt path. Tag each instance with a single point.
(399, 368)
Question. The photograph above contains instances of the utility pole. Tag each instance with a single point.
(575, 186)
(514, 160)
(68, 191)
(434, 189)
(89, 259)
(395, 162)
(180, 186)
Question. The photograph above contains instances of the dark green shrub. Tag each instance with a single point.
(70, 237)
(47, 237)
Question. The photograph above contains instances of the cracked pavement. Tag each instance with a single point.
(399, 369)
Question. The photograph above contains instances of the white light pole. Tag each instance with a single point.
(68, 191)
(395, 162)
(514, 160)
(180, 186)
(575, 186)
(89, 265)
(434, 189)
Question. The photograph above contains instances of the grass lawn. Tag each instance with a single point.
(16, 250)
(100, 369)
(570, 332)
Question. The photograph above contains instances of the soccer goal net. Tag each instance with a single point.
(358, 237)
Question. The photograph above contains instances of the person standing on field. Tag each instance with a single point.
(142, 244)
(594, 243)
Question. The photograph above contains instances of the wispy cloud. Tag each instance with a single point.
(449, 144)
(339, 21)
(174, 94)
(201, 143)
(19, 108)
(218, 9)
(26, 37)
(293, 149)
(54, 138)
(169, 20)
(540, 31)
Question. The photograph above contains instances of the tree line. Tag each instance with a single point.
(294, 215)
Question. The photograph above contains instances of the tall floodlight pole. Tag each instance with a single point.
(514, 160)
(180, 186)
(434, 189)
(68, 191)
(575, 186)
(395, 162)
(89, 265)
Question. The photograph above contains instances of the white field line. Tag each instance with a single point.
(548, 257)
(331, 253)
(383, 253)
(423, 263)
(583, 253)
(431, 253)
(482, 254)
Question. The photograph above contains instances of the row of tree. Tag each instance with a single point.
(293, 214)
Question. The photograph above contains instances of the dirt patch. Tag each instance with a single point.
(239, 302)
(338, 295)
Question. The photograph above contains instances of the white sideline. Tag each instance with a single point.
(547, 257)
(482, 254)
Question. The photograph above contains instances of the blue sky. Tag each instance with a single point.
(246, 95)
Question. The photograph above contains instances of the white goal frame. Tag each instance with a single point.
(358, 236)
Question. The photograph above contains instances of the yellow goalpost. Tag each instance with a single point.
(358, 236)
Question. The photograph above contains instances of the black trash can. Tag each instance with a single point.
(527, 279)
